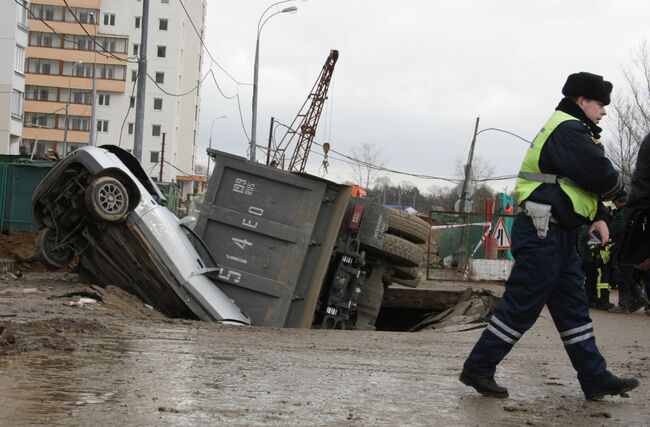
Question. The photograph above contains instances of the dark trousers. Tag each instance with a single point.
(546, 272)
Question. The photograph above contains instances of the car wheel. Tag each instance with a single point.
(408, 226)
(51, 255)
(107, 199)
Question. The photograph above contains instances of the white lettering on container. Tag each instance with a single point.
(230, 276)
(248, 223)
(253, 210)
(238, 259)
(241, 243)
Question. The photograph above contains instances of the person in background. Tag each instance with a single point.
(563, 178)
(631, 295)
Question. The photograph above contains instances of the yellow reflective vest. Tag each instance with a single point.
(531, 177)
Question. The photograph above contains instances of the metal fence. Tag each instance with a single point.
(19, 177)
(457, 237)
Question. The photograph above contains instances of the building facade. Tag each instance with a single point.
(84, 44)
(14, 24)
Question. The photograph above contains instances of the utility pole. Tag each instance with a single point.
(463, 250)
(162, 158)
(142, 84)
(268, 149)
(65, 126)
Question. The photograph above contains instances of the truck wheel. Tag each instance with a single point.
(51, 256)
(401, 252)
(408, 226)
(107, 199)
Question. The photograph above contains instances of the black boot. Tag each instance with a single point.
(484, 385)
(612, 387)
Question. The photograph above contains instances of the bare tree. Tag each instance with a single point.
(631, 112)
(368, 162)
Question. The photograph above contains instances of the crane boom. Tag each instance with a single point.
(309, 117)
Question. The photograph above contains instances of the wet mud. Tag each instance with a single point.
(116, 361)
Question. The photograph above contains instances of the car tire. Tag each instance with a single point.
(408, 226)
(401, 252)
(107, 199)
(51, 256)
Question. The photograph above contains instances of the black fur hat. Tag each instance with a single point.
(591, 86)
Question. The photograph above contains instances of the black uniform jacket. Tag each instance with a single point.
(570, 152)
(640, 187)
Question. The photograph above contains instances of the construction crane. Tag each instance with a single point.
(305, 123)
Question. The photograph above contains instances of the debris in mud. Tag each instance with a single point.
(470, 312)
(6, 336)
(168, 409)
(601, 415)
(14, 341)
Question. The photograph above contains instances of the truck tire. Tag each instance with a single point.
(401, 252)
(408, 226)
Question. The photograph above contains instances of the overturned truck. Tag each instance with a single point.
(268, 248)
(295, 250)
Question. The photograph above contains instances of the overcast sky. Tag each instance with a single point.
(412, 76)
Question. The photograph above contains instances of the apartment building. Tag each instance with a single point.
(73, 47)
(13, 43)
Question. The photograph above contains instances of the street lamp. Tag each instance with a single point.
(67, 104)
(260, 25)
(210, 141)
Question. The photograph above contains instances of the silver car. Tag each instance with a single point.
(98, 211)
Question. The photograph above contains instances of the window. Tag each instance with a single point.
(20, 59)
(134, 75)
(42, 66)
(109, 19)
(130, 129)
(162, 51)
(17, 105)
(162, 24)
(160, 77)
(155, 130)
(136, 49)
(103, 99)
(102, 125)
(40, 39)
(23, 14)
(157, 103)
(132, 102)
(153, 156)
(137, 21)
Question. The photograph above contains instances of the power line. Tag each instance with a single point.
(206, 48)
(94, 37)
(63, 37)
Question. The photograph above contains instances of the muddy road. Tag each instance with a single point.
(119, 362)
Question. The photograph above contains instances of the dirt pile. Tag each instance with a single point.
(19, 246)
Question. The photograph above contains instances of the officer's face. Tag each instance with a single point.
(595, 110)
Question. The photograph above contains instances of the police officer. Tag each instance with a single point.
(563, 177)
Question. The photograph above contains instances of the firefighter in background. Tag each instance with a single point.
(602, 256)
(563, 179)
